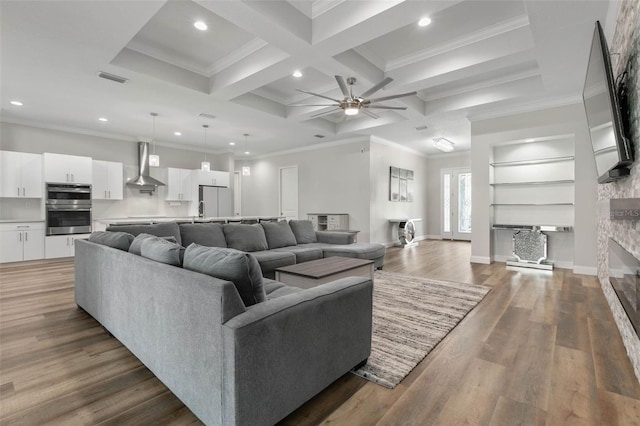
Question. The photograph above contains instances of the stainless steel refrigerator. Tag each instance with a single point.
(215, 201)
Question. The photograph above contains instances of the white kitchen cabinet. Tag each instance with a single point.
(21, 241)
(61, 245)
(20, 175)
(329, 222)
(213, 178)
(179, 182)
(61, 168)
(107, 180)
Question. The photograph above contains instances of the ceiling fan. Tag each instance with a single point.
(351, 104)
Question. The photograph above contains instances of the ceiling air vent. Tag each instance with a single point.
(112, 77)
(421, 128)
(319, 136)
(205, 115)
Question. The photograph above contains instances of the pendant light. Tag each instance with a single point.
(246, 170)
(205, 166)
(154, 160)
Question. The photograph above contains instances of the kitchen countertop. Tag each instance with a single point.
(20, 220)
(160, 219)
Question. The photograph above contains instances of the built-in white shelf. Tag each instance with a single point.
(542, 182)
(532, 204)
(530, 162)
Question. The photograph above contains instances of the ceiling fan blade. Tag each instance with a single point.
(322, 114)
(313, 105)
(377, 87)
(343, 86)
(386, 107)
(318, 95)
(386, 98)
(370, 114)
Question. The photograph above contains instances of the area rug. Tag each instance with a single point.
(411, 315)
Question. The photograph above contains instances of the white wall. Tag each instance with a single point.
(14, 137)
(435, 164)
(565, 120)
(383, 156)
(333, 179)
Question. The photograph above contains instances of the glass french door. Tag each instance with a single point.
(456, 204)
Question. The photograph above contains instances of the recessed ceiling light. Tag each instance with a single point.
(177, 133)
(232, 143)
(16, 103)
(247, 153)
(423, 22)
(200, 25)
(103, 119)
(297, 74)
(529, 140)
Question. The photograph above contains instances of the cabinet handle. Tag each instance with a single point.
(73, 240)
(18, 192)
(72, 178)
(105, 194)
(20, 236)
(24, 192)
(22, 226)
(109, 194)
(26, 237)
(67, 177)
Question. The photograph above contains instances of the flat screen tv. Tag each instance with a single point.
(612, 149)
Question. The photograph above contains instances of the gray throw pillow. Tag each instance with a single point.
(161, 250)
(245, 237)
(164, 229)
(118, 240)
(205, 234)
(303, 230)
(278, 234)
(136, 244)
(230, 265)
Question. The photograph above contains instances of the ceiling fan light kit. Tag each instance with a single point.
(443, 144)
(351, 104)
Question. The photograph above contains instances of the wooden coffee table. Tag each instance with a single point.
(316, 272)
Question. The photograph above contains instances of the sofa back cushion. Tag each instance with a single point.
(278, 234)
(204, 234)
(161, 250)
(245, 237)
(118, 240)
(231, 265)
(303, 231)
(167, 229)
(136, 244)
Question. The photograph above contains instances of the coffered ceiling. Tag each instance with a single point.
(476, 59)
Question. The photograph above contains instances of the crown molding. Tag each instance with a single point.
(469, 39)
(537, 105)
(237, 55)
(314, 147)
(320, 7)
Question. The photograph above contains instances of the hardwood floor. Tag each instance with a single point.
(541, 348)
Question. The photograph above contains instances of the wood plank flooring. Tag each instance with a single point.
(541, 349)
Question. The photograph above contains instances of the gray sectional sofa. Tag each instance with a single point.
(274, 244)
(243, 350)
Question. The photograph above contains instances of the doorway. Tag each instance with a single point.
(237, 194)
(289, 192)
(456, 204)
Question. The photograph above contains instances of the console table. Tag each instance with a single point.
(530, 245)
(406, 231)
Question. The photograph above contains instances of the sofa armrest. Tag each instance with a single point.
(280, 353)
(332, 237)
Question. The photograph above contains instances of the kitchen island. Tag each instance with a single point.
(101, 224)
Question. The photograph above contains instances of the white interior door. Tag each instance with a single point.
(289, 192)
(456, 204)
(237, 194)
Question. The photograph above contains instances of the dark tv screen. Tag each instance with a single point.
(612, 150)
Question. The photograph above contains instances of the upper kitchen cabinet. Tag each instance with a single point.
(179, 184)
(213, 178)
(20, 175)
(107, 180)
(60, 168)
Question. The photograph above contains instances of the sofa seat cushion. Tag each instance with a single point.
(240, 268)
(161, 250)
(118, 240)
(269, 260)
(283, 291)
(303, 231)
(167, 229)
(368, 251)
(302, 253)
(245, 237)
(204, 234)
(271, 285)
(278, 234)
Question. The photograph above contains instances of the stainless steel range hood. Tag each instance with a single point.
(143, 180)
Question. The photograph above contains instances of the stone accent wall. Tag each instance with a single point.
(626, 43)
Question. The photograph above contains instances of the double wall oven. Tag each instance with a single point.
(68, 209)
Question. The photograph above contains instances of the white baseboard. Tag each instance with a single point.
(433, 237)
(585, 270)
(480, 259)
